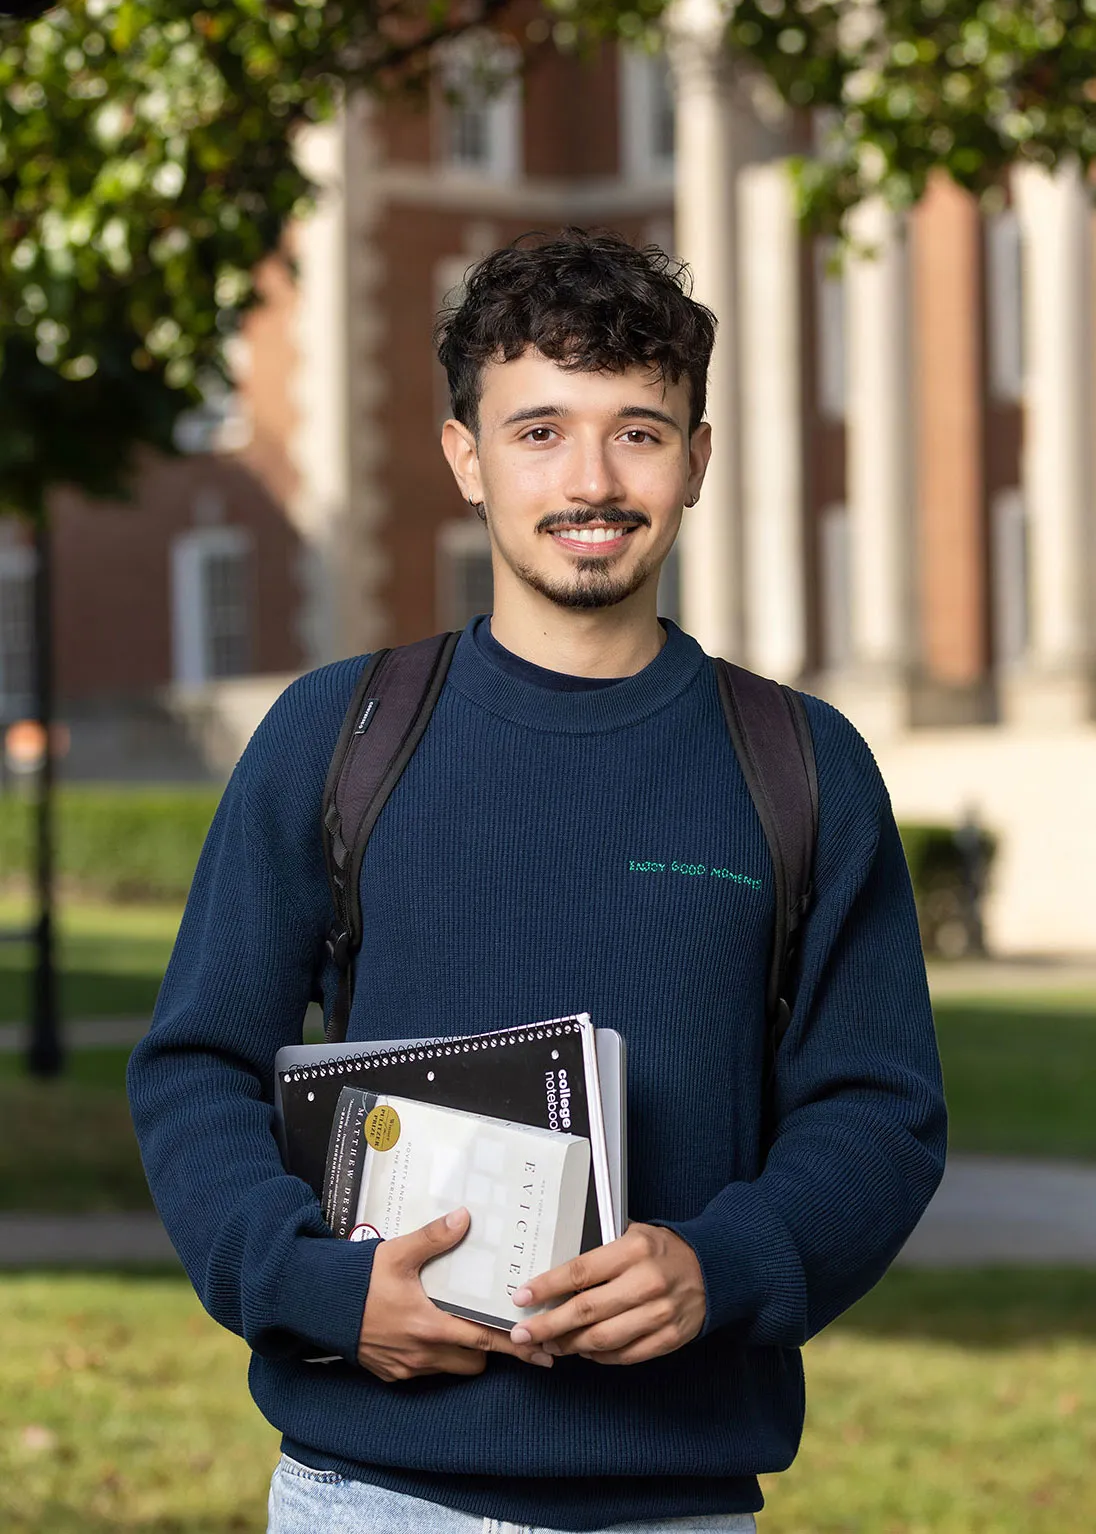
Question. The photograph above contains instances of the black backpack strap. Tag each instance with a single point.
(387, 717)
(771, 736)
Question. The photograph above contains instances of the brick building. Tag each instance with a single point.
(899, 514)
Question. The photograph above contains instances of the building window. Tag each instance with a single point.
(835, 572)
(669, 585)
(479, 113)
(211, 604)
(220, 423)
(829, 309)
(449, 275)
(464, 584)
(1005, 306)
(1009, 555)
(16, 631)
(646, 115)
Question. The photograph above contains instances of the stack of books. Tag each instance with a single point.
(524, 1127)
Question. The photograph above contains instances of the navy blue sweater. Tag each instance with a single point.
(550, 851)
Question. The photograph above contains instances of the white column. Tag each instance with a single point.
(365, 617)
(878, 424)
(772, 430)
(704, 210)
(340, 501)
(321, 447)
(1053, 685)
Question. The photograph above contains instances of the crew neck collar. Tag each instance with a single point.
(527, 671)
(478, 677)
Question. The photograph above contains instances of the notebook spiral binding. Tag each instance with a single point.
(467, 1044)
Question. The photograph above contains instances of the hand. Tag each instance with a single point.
(404, 1334)
(637, 1298)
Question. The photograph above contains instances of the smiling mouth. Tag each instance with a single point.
(593, 540)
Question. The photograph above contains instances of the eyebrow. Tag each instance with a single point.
(625, 413)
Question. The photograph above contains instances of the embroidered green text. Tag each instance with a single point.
(692, 871)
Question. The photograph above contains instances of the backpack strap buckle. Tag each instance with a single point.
(338, 946)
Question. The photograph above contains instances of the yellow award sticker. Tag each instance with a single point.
(382, 1127)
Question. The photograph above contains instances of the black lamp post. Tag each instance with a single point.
(45, 1056)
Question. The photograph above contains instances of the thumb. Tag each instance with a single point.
(441, 1235)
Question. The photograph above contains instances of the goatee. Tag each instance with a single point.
(594, 584)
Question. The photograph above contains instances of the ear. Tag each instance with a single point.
(459, 446)
(700, 451)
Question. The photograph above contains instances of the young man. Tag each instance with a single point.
(526, 867)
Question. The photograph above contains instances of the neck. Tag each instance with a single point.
(599, 642)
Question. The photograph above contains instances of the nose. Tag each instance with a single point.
(593, 479)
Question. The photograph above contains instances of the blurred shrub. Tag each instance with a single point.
(143, 843)
(113, 842)
(950, 868)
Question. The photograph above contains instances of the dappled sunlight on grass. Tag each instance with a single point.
(950, 1403)
(125, 1409)
(111, 958)
(957, 1403)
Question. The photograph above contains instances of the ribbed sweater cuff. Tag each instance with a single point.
(323, 1292)
(751, 1269)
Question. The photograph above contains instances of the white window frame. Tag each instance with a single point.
(449, 275)
(486, 70)
(463, 538)
(1004, 302)
(18, 563)
(831, 378)
(1011, 579)
(221, 423)
(191, 639)
(643, 79)
(835, 585)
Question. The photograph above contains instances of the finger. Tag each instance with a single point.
(458, 1361)
(418, 1246)
(594, 1267)
(439, 1360)
(618, 1332)
(655, 1345)
(455, 1331)
(582, 1310)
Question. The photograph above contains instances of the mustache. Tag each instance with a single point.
(582, 516)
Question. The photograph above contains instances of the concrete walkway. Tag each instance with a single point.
(989, 1211)
(94, 1034)
(995, 977)
(998, 1210)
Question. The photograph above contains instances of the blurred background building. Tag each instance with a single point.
(899, 515)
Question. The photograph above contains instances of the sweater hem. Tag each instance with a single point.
(551, 1502)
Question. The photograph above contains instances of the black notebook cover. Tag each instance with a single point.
(535, 1075)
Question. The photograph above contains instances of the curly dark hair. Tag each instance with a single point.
(589, 301)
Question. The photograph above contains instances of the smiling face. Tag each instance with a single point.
(582, 477)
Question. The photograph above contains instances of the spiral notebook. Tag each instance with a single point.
(545, 1074)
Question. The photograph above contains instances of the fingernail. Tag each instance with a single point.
(455, 1218)
(553, 1348)
(545, 1360)
(523, 1296)
(520, 1334)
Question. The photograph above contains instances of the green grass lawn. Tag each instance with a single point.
(1019, 1072)
(942, 1404)
(111, 958)
(68, 1145)
(950, 1403)
(124, 1408)
(1018, 1068)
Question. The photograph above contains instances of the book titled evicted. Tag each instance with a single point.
(395, 1164)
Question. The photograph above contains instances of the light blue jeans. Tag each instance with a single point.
(305, 1501)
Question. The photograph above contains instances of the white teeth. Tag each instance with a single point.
(593, 534)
